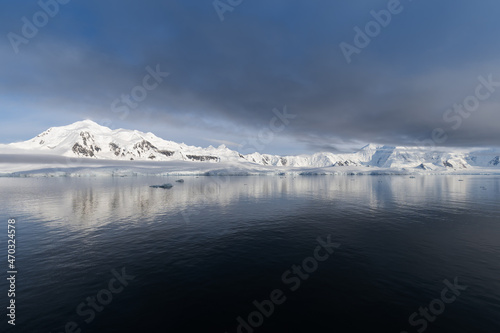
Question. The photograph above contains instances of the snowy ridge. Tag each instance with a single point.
(402, 158)
(89, 140)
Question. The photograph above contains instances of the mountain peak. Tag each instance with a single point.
(371, 146)
(87, 123)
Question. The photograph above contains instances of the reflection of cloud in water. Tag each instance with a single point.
(94, 202)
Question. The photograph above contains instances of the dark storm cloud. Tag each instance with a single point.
(226, 77)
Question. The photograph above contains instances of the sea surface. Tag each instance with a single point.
(254, 254)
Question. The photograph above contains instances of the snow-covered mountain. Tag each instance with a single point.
(387, 157)
(91, 140)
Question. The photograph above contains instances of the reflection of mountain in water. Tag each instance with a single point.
(95, 202)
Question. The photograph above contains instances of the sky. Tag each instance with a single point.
(274, 76)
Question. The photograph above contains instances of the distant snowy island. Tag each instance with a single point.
(86, 148)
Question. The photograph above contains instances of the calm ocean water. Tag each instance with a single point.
(244, 254)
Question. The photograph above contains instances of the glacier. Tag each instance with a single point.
(86, 148)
